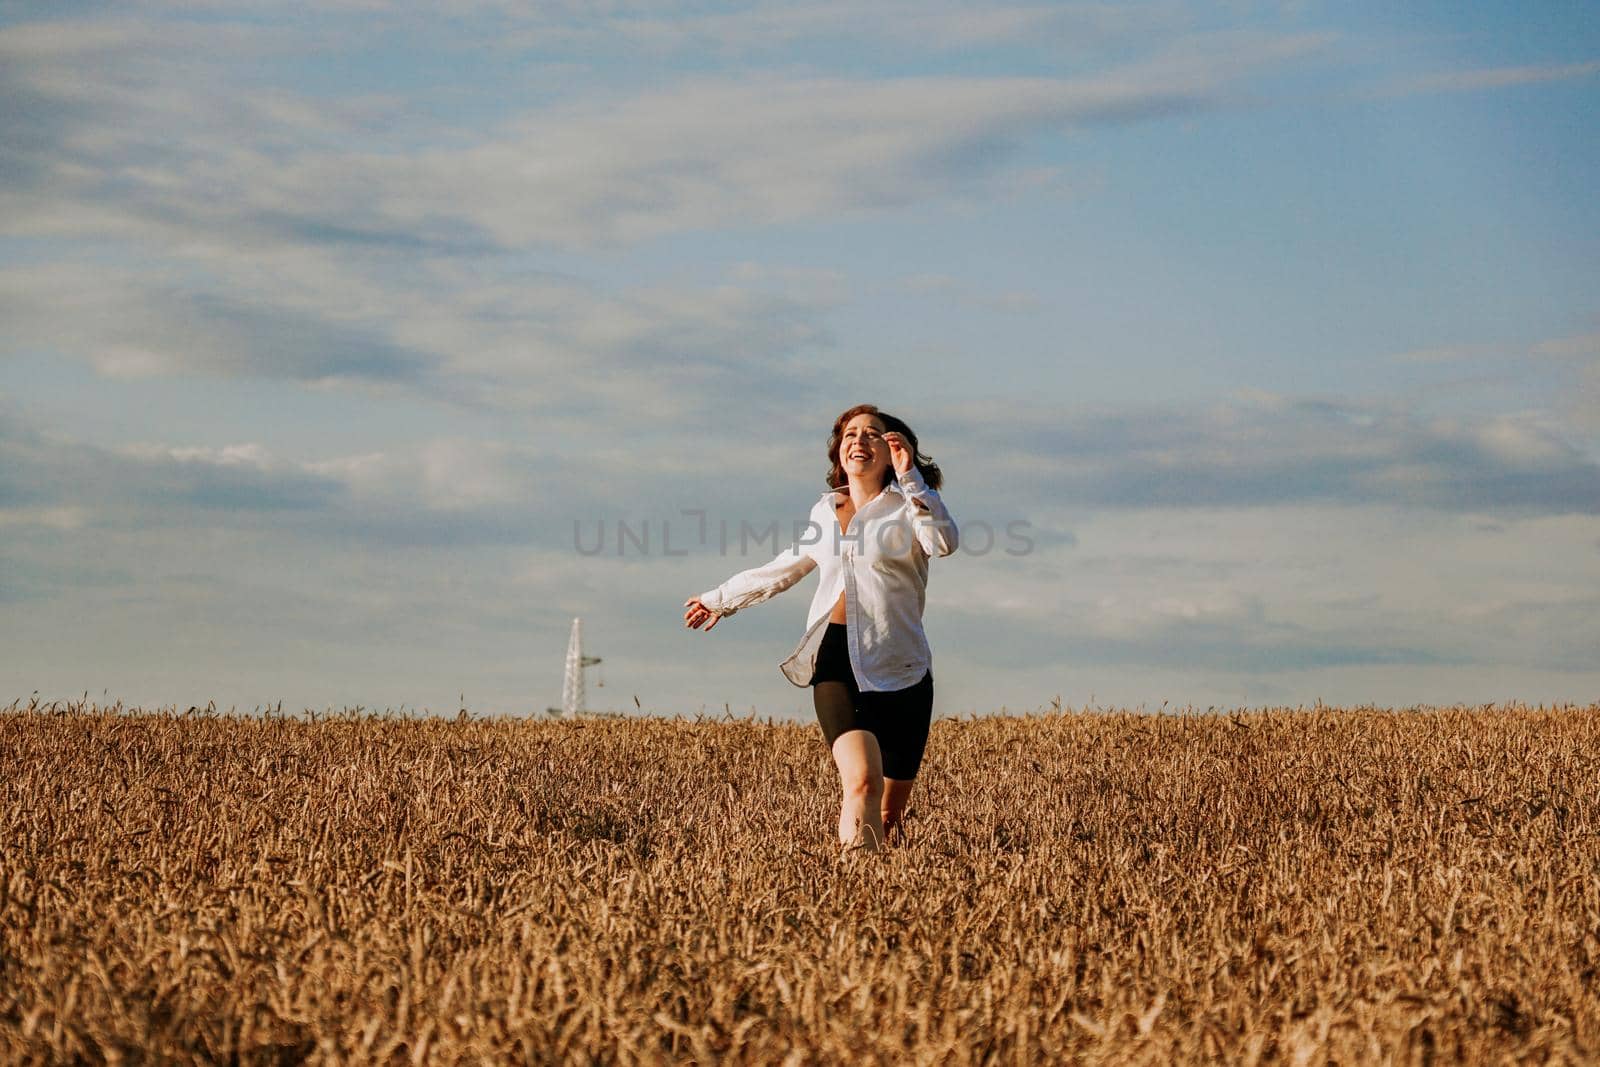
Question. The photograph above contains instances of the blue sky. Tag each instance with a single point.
(1273, 324)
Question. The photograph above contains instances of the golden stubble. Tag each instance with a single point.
(1292, 886)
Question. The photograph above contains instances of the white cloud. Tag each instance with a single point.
(1579, 401)
(212, 167)
(932, 25)
(246, 455)
(1461, 81)
(130, 324)
(736, 31)
(1580, 347)
(539, 344)
(257, 232)
(1572, 362)
(1295, 588)
(1272, 451)
(66, 518)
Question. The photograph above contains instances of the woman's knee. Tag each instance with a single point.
(863, 784)
(860, 764)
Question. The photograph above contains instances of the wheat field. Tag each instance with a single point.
(1290, 886)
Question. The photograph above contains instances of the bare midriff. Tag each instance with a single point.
(845, 514)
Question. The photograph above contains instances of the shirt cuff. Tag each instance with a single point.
(912, 482)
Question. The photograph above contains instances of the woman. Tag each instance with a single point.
(864, 654)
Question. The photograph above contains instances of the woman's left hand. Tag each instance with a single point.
(899, 452)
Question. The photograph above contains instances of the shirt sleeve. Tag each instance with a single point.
(930, 519)
(751, 587)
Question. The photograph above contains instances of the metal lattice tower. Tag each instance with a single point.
(572, 697)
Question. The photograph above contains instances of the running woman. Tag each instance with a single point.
(864, 653)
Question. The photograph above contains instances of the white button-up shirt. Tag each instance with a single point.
(881, 565)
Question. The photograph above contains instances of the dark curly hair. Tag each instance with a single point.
(836, 476)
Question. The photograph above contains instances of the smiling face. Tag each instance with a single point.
(863, 453)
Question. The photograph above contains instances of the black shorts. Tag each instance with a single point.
(898, 719)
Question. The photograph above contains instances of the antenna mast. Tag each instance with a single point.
(572, 697)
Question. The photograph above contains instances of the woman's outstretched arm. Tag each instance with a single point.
(749, 587)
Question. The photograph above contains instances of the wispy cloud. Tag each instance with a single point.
(443, 330)
(760, 151)
(439, 491)
(1301, 587)
(934, 25)
(129, 327)
(709, 153)
(207, 227)
(1266, 455)
(1275, 451)
(1466, 81)
(1577, 347)
(46, 476)
(1573, 360)
(733, 32)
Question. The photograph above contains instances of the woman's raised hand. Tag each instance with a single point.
(899, 452)
(695, 614)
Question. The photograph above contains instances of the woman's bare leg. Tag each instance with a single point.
(860, 763)
(896, 794)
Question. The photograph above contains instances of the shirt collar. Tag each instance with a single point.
(892, 487)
